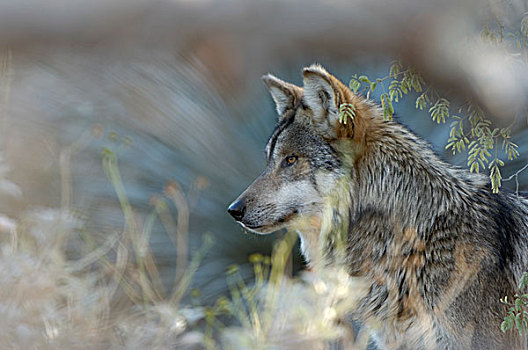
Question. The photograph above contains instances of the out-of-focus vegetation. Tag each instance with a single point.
(517, 317)
(64, 287)
(68, 288)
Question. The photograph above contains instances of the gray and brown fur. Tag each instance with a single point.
(436, 246)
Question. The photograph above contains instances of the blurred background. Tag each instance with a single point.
(173, 90)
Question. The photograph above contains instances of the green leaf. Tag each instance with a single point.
(346, 111)
(474, 168)
(404, 87)
(364, 79)
(386, 104)
(354, 84)
(420, 102)
(395, 68)
(440, 110)
(518, 305)
(416, 83)
(524, 281)
(505, 325)
(495, 177)
(518, 323)
(384, 108)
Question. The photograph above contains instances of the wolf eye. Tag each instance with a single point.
(289, 161)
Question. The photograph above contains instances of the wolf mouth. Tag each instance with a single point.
(250, 227)
(264, 229)
(253, 228)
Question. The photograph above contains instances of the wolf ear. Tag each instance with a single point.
(284, 94)
(323, 93)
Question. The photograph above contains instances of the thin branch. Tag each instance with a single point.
(517, 173)
(516, 176)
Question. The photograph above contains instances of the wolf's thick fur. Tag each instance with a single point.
(436, 246)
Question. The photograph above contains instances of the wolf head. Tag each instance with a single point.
(308, 153)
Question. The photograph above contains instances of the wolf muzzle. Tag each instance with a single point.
(237, 209)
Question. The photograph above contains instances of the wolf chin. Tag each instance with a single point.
(437, 248)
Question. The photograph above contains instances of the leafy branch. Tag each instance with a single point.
(518, 309)
(470, 131)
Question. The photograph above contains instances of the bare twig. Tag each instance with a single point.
(516, 177)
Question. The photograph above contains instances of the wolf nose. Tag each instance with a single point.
(237, 209)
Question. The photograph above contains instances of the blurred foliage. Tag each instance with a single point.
(65, 287)
(278, 311)
(150, 284)
(518, 309)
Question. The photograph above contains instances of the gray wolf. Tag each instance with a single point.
(437, 247)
